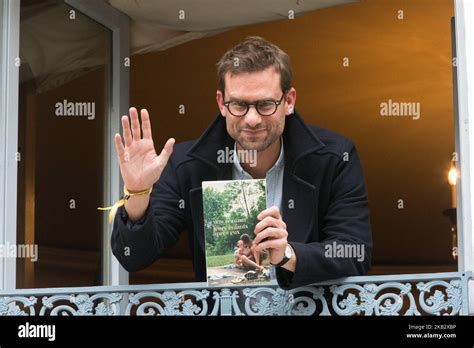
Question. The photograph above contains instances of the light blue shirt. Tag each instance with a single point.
(274, 177)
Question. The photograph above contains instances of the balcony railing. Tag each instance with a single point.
(408, 294)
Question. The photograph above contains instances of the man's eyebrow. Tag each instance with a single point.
(250, 101)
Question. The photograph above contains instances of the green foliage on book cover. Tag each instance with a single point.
(230, 210)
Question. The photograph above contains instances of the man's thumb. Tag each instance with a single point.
(167, 149)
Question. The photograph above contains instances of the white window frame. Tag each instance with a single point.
(118, 24)
(10, 51)
(464, 21)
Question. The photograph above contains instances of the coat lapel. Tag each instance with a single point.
(298, 207)
(299, 202)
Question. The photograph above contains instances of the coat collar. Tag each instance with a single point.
(298, 141)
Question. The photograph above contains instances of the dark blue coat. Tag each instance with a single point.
(324, 201)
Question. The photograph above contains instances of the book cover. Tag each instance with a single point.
(230, 215)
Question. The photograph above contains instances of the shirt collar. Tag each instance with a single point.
(300, 141)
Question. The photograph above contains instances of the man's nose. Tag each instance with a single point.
(253, 118)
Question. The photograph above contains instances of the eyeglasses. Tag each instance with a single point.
(265, 107)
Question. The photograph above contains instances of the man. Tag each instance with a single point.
(317, 199)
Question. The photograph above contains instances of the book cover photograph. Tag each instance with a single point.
(230, 215)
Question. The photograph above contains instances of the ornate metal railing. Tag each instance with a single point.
(410, 294)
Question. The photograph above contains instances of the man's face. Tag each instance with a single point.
(253, 131)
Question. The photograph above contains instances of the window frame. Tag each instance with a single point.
(118, 24)
(10, 51)
(464, 112)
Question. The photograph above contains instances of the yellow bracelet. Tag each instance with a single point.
(120, 202)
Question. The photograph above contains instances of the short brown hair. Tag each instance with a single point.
(254, 54)
(245, 239)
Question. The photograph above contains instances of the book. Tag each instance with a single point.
(230, 215)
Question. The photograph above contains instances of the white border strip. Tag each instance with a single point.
(9, 137)
(464, 19)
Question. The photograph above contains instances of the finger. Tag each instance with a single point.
(270, 232)
(271, 244)
(166, 152)
(135, 124)
(269, 221)
(119, 147)
(272, 211)
(146, 125)
(127, 135)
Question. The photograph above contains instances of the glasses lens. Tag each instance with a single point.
(238, 108)
(266, 107)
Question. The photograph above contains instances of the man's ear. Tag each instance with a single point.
(220, 103)
(290, 102)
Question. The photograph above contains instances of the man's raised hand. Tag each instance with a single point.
(140, 166)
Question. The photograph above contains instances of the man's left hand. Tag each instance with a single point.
(271, 234)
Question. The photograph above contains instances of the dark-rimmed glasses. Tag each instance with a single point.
(265, 107)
